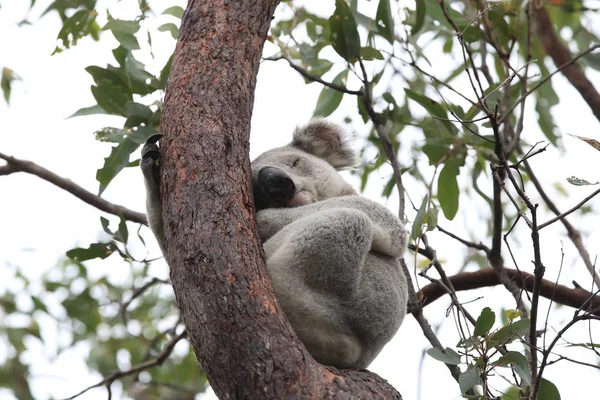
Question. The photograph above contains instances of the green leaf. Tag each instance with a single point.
(344, 34)
(432, 217)
(175, 11)
(369, 53)
(548, 391)
(117, 25)
(468, 379)
(485, 321)
(137, 114)
(170, 27)
(421, 10)
(428, 104)
(509, 333)
(385, 20)
(164, 73)
(119, 156)
(448, 356)
(77, 26)
(8, 77)
(124, 32)
(519, 363)
(111, 98)
(448, 192)
(419, 219)
(330, 99)
(96, 109)
(96, 250)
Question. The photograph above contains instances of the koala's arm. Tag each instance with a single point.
(150, 169)
(389, 234)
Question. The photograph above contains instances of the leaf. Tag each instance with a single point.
(485, 321)
(96, 109)
(594, 143)
(124, 32)
(448, 356)
(468, 379)
(519, 363)
(432, 217)
(369, 53)
(137, 114)
(548, 391)
(111, 98)
(75, 27)
(421, 8)
(573, 180)
(419, 219)
(385, 20)
(119, 156)
(111, 135)
(330, 99)
(118, 25)
(175, 11)
(508, 333)
(448, 192)
(428, 104)
(344, 34)
(96, 250)
(511, 315)
(8, 77)
(170, 27)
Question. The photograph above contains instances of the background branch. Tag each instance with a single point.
(17, 165)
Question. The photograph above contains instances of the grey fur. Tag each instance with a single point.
(332, 255)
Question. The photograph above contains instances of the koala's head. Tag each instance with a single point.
(306, 170)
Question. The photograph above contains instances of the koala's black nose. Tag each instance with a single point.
(277, 185)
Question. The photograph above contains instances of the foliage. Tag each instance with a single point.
(379, 53)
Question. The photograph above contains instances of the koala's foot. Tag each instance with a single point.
(150, 159)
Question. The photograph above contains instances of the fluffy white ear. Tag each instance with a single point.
(328, 141)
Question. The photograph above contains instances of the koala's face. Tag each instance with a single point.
(305, 171)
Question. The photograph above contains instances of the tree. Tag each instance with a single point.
(471, 122)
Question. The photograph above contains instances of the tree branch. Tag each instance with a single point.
(236, 327)
(576, 297)
(17, 165)
(561, 56)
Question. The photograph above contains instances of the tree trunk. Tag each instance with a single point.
(235, 324)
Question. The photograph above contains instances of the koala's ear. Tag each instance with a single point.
(328, 141)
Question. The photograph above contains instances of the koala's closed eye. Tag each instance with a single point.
(296, 162)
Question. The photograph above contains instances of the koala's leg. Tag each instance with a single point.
(150, 165)
(325, 250)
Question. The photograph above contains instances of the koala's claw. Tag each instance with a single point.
(154, 138)
(150, 156)
(150, 149)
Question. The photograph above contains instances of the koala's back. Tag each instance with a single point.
(379, 305)
(345, 331)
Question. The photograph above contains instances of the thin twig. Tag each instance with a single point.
(113, 376)
(313, 78)
(17, 165)
(571, 210)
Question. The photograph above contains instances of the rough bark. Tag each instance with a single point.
(235, 325)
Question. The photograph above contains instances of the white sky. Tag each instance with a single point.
(39, 222)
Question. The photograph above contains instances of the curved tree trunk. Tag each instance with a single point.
(235, 325)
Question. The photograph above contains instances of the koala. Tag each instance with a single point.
(332, 255)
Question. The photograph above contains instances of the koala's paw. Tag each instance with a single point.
(150, 158)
